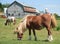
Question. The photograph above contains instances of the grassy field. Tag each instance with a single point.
(7, 36)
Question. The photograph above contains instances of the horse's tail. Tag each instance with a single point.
(53, 21)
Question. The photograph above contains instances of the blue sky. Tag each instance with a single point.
(52, 5)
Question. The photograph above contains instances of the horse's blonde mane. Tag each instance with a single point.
(22, 25)
(54, 22)
(26, 17)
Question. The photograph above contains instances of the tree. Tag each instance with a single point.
(56, 15)
(1, 7)
(5, 5)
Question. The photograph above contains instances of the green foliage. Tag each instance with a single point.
(1, 7)
(57, 16)
(58, 25)
(5, 5)
(58, 28)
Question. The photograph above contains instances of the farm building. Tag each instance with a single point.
(19, 10)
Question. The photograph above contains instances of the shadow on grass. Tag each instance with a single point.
(34, 40)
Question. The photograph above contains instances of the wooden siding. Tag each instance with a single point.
(16, 10)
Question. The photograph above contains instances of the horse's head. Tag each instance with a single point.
(19, 33)
(20, 30)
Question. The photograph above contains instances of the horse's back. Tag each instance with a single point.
(33, 22)
(46, 16)
(40, 18)
(37, 21)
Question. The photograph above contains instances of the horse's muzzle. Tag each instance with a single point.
(19, 38)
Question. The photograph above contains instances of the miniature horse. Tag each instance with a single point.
(9, 20)
(34, 23)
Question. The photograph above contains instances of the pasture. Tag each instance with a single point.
(8, 37)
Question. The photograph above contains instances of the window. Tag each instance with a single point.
(19, 14)
(12, 15)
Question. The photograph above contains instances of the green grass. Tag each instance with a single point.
(7, 36)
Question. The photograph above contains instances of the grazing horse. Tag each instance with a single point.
(9, 20)
(35, 23)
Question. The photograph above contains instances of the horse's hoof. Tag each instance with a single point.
(29, 39)
(35, 39)
(19, 39)
(50, 40)
(46, 40)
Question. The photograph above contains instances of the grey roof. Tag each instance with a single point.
(21, 4)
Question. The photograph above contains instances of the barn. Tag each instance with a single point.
(19, 10)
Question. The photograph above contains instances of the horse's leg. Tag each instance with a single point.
(29, 34)
(14, 22)
(49, 34)
(34, 34)
(6, 22)
(10, 22)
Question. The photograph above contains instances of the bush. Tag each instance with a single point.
(58, 28)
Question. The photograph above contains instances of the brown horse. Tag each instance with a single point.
(34, 23)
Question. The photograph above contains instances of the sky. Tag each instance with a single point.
(52, 5)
